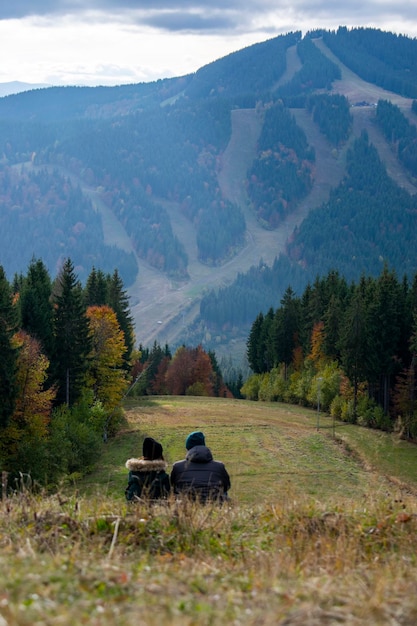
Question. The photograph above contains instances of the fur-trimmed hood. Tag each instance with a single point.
(144, 465)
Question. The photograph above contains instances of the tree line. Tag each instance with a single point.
(353, 345)
(66, 358)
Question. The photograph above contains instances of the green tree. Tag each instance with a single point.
(72, 343)
(118, 300)
(384, 327)
(95, 292)
(285, 330)
(353, 342)
(253, 345)
(36, 311)
(9, 352)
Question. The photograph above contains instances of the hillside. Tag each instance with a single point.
(318, 532)
(264, 244)
(168, 169)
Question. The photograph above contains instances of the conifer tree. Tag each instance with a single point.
(36, 312)
(118, 300)
(385, 333)
(71, 337)
(8, 360)
(286, 329)
(95, 292)
(253, 345)
(354, 339)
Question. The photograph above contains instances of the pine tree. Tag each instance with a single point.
(72, 342)
(95, 292)
(385, 332)
(118, 300)
(285, 330)
(36, 312)
(353, 342)
(9, 353)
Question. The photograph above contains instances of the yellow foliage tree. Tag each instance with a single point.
(106, 376)
(29, 422)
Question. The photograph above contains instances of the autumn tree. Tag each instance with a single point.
(190, 372)
(105, 374)
(24, 440)
(317, 355)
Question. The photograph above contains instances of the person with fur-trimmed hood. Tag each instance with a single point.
(148, 478)
(199, 476)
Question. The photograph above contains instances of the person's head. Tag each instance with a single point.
(152, 450)
(195, 438)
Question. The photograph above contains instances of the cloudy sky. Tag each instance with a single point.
(109, 42)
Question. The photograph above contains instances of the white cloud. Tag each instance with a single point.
(120, 41)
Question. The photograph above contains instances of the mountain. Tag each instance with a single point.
(212, 192)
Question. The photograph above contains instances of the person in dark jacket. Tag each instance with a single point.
(199, 476)
(148, 478)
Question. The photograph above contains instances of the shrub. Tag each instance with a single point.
(250, 389)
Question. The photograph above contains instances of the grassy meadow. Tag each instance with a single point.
(320, 529)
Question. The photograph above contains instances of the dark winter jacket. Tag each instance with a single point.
(200, 477)
(147, 479)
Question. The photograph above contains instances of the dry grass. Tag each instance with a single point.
(294, 550)
(89, 562)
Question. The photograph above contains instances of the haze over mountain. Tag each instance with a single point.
(16, 86)
(274, 164)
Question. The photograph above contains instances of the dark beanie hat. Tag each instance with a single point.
(152, 450)
(195, 439)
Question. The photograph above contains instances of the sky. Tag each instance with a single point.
(113, 42)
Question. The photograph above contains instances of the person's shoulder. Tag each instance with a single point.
(145, 465)
(134, 465)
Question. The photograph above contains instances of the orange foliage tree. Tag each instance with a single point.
(190, 372)
(317, 345)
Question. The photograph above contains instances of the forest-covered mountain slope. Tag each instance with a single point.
(212, 192)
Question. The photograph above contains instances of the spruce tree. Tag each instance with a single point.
(96, 292)
(253, 345)
(285, 331)
(71, 336)
(36, 312)
(8, 361)
(118, 300)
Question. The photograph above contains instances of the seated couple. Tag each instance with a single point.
(198, 476)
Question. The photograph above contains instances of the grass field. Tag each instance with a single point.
(321, 529)
(268, 448)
